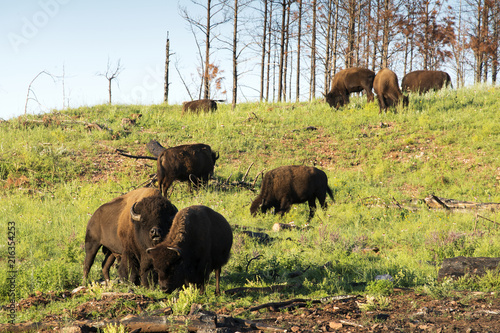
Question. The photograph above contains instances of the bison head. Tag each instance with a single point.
(333, 99)
(152, 218)
(167, 261)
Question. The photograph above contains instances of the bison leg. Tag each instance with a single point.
(146, 272)
(369, 95)
(312, 208)
(284, 207)
(164, 186)
(109, 260)
(217, 280)
(129, 268)
(91, 249)
(381, 104)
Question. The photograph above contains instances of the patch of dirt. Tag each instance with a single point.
(404, 311)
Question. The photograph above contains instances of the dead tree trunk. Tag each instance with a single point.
(167, 63)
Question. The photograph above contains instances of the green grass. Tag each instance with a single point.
(56, 170)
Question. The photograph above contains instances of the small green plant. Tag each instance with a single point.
(114, 328)
(185, 298)
(439, 290)
(375, 303)
(380, 287)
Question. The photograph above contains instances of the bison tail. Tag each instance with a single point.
(255, 205)
(330, 193)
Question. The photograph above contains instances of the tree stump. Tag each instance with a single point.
(155, 148)
(459, 266)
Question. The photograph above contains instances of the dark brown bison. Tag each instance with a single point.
(287, 185)
(387, 89)
(198, 243)
(113, 221)
(196, 106)
(423, 81)
(348, 81)
(193, 163)
(151, 221)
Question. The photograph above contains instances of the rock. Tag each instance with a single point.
(384, 277)
(335, 326)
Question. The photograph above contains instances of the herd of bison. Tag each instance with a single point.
(155, 243)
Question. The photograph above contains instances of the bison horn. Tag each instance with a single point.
(176, 249)
(134, 215)
(149, 249)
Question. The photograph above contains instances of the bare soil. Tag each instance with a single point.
(403, 311)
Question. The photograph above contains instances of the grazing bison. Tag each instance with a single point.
(287, 185)
(112, 221)
(387, 89)
(198, 243)
(205, 105)
(423, 81)
(348, 81)
(192, 163)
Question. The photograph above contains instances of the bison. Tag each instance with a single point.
(198, 243)
(151, 221)
(387, 89)
(115, 220)
(348, 81)
(193, 163)
(205, 105)
(287, 185)
(423, 81)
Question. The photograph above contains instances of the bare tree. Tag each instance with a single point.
(263, 56)
(299, 35)
(32, 92)
(215, 16)
(284, 5)
(312, 89)
(167, 69)
(111, 74)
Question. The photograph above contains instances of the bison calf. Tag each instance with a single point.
(387, 89)
(198, 243)
(348, 81)
(423, 81)
(193, 163)
(287, 185)
(196, 106)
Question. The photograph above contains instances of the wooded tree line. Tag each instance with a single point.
(295, 47)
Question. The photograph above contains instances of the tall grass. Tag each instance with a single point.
(55, 171)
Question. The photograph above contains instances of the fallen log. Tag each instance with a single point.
(432, 202)
(202, 322)
(276, 306)
(122, 152)
(270, 289)
(459, 266)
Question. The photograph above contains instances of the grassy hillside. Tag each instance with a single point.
(56, 169)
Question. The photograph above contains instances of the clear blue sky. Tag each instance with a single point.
(47, 35)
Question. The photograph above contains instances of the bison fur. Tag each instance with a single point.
(104, 225)
(193, 163)
(149, 222)
(347, 81)
(205, 105)
(198, 243)
(387, 89)
(287, 185)
(424, 81)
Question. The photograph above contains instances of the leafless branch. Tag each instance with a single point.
(30, 91)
